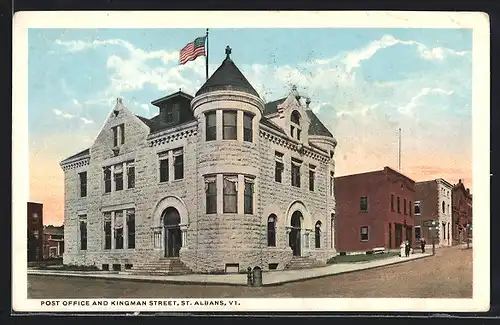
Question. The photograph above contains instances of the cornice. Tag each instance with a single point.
(163, 138)
(227, 95)
(73, 164)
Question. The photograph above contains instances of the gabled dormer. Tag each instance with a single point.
(174, 109)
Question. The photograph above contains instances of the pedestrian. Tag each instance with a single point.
(422, 244)
(407, 248)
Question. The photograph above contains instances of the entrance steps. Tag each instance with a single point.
(303, 262)
(162, 266)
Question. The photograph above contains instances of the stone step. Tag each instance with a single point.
(163, 266)
(303, 263)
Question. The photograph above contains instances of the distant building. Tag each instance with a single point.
(53, 242)
(461, 212)
(433, 203)
(35, 231)
(373, 209)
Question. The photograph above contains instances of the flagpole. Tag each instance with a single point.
(206, 59)
(399, 151)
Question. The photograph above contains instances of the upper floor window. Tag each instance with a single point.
(164, 170)
(363, 203)
(83, 184)
(404, 206)
(392, 202)
(229, 123)
(312, 171)
(178, 164)
(230, 193)
(107, 180)
(417, 208)
(248, 195)
(443, 204)
(131, 175)
(410, 208)
(295, 127)
(118, 177)
(332, 177)
(399, 204)
(363, 231)
(296, 164)
(271, 231)
(211, 195)
(248, 127)
(172, 114)
(118, 135)
(278, 170)
(107, 230)
(210, 126)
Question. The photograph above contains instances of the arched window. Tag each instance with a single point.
(295, 125)
(317, 234)
(443, 206)
(271, 231)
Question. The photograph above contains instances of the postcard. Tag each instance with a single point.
(250, 161)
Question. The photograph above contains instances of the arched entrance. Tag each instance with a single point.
(294, 238)
(172, 232)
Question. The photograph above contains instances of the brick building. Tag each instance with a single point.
(461, 212)
(217, 182)
(433, 202)
(372, 210)
(35, 231)
(53, 242)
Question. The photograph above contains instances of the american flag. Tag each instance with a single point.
(192, 50)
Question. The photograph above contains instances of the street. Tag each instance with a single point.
(448, 274)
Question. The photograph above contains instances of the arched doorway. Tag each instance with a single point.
(172, 232)
(294, 238)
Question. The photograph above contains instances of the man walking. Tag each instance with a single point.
(422, 244)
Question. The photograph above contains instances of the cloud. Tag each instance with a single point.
(353, 59)
(86, 121)
(145, 107)
(62, 114)
(408, 108)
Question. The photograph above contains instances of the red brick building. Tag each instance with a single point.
(35, 231)
(53, 242)
(372, 210)
(461, 212)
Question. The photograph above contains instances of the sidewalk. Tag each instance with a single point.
(268, 278)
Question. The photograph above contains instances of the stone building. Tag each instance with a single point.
(214, 183)
(461, 212)
(433, 203)
(373, 210)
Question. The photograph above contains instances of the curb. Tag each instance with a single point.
(167, 281)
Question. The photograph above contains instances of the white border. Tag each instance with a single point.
(479, 22)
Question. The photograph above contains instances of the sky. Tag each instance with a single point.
(364, 84)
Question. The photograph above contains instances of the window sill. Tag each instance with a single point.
(172, 181)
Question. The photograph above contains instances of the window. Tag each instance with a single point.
(211, 195)
(211, 126)
(118, 175)
(172, 114)
(107, 230)
(409, 208)
(83, 232)
(164, 170)
(247, 127)
(298, 134)
(118, 230)
(230, 191)
(392, 202)
(317, 235)
(131, 228)
(331, 183)
(448, 209)
(295, 125)
(399, 205)
(248, 195)
(119, 135)
(271, 231)
(418, 234)
(417, 208)
(279, 167)
(178, 164)
(229, 123)
(107, 180)
(130, 176)
(363, 203)
(83, 184)
(363, 231)
(295, 117)
(311, 177)
(443, 206)
(296, 172)
(404, 206)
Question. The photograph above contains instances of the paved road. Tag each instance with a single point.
(448, 274)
